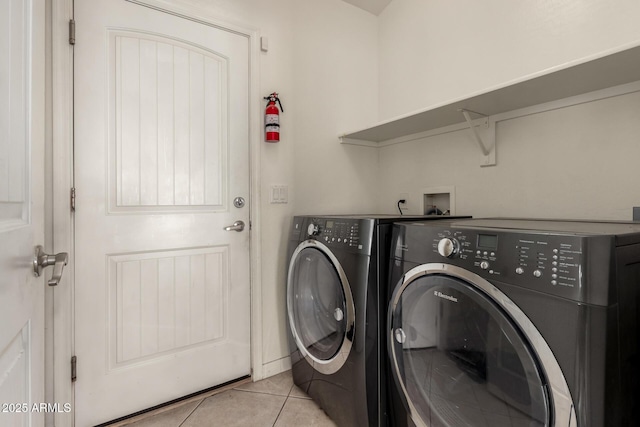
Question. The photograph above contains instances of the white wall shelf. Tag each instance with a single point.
(568, 80)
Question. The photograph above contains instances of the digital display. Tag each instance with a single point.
(329, 224)
(488, 241)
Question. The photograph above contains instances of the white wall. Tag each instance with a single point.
(576, 162)
(335, 75)
(322, 60)
(438, 50)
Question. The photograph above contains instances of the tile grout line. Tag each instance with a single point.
(280, 411)
(261, 392)
(283, 403)
(191, 413)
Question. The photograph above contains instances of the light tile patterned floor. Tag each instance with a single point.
(273, 402)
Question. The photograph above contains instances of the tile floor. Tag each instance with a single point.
(273, 402)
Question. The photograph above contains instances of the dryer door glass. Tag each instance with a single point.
(461, 361)
(319, 307)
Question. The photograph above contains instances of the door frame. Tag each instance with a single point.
(61, 320)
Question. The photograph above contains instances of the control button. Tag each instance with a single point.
(519, 270)
(553, 282)
(478, 253)
(448, 247)
(537, 273)
(555, 257)
(555, 251)
(313, 229)
(554, 276)
(555, 270)
(485, 253)
(554, 263)
(484, 265)
(326, 239)
(493, 254)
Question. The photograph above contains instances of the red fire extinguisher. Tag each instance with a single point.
(272, 118)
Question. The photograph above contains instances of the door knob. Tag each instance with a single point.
(237, 226)
(42, 260)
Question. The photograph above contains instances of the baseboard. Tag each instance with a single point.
(275, 367)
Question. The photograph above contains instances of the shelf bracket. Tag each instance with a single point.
(488, 153)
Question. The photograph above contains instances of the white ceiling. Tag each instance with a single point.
(373, 6)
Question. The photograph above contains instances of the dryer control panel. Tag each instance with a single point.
(550, 263)
(353, 235)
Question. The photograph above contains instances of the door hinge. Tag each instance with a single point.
(73, 199)
(72, 32)
(74, 364)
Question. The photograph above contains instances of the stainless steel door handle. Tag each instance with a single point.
(42, 260)
(237, 226)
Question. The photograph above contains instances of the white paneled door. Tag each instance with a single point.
(21, 212)
(162, 295)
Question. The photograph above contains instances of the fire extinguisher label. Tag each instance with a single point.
(272, 120)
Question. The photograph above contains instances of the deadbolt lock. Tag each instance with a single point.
(238, 202)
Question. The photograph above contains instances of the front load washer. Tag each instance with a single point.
(503, 322)
(337, 266)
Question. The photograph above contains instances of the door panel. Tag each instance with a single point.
(161, 148)
(170, 142)
(21, 211)
(154, 313)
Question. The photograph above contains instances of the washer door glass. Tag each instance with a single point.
(460, 361)
(317, 304)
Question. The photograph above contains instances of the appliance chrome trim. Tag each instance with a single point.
(562, 406)
(329, 366)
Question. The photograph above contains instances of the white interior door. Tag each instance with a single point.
(21, 211)
(162, 293)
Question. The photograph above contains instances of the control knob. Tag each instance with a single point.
(448, 247)
(313, 229)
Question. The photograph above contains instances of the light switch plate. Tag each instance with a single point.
(279, 194)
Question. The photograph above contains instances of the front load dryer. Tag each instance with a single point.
(501, 322)
(337, 271)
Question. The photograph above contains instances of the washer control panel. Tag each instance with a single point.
(550, 263)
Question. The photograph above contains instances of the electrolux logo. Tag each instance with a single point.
(445, 296)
